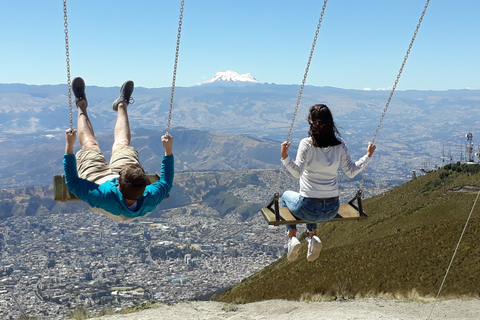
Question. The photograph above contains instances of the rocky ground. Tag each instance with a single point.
(365, 309)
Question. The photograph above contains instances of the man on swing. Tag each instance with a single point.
(121, 189)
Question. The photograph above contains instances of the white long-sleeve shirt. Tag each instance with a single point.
(317, 168)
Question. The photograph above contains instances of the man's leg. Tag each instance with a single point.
(86, 135)
(91, 163)
(122, 133)
(122, 152)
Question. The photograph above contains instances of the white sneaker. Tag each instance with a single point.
(314, 248)
(293, 247)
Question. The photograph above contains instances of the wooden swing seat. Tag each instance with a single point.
(61, 192)
(276, 215)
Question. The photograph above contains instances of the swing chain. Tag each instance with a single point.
(175, 66)
(396, 82)
(307, 68)
(401, 70)
(67, 52)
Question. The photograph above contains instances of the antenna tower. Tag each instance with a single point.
(469, 148)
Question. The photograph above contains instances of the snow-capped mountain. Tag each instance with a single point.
(231, 76)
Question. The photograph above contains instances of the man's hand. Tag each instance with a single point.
(167, 141)
(70, 137)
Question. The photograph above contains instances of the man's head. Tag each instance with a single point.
(132, 181)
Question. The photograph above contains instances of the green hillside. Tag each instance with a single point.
(404, 246)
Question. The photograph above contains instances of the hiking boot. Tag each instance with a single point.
(293, 247)
(78, 88)
(314, 248)
(125, 94)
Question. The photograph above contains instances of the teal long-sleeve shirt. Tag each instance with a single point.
(108, 197)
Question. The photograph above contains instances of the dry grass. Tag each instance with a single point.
(401, 251)
(80, 313)
(230, 307)
(142, 306)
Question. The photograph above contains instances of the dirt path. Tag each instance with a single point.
(282, 310)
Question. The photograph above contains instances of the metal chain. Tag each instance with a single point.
(396, 82)
(67, 52)
(307, 68)
(175, 66)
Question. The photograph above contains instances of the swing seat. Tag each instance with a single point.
(61, 192)
(276, 215)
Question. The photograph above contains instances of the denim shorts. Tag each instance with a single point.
(309, 210)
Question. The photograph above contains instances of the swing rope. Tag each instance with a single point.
(67, 52)
(175, 66)
(454, 253)
(307, 68)
(395, 84)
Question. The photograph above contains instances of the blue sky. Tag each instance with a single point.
(361, 43)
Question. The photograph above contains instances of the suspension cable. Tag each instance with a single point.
(307, 68)
(67, 52)
(395, 84)
(175, 65)
(454, 253)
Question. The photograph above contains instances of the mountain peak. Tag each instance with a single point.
(231, 76)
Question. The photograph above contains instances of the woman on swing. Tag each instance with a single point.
(318, 158)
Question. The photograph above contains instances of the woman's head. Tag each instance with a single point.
(132, 181)
(322, 127)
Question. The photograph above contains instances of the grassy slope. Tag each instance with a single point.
(405, 245)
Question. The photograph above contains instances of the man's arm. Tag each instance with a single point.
(167, 141)
(70, 140)
(69, 161)
(162, 187)
(167, 166)
(82, 188)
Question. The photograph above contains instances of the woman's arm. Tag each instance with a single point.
(351, 168)
(296, 167)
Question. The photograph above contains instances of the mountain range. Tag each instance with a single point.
(236, 127)
(32, 160)
(231, 76)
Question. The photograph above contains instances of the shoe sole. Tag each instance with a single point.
(294, 254)
(126, 86)
(78, 88)
(317, 247)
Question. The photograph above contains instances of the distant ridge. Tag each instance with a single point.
(403, 248)
(195, 150)
(231, 76)
(419, 123)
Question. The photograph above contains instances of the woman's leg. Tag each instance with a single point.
(292, 230)
(312, 229)
(293, 245)
(291, 200)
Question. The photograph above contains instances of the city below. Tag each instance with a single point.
(52, 264)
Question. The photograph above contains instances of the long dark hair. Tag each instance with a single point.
(322, 128)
